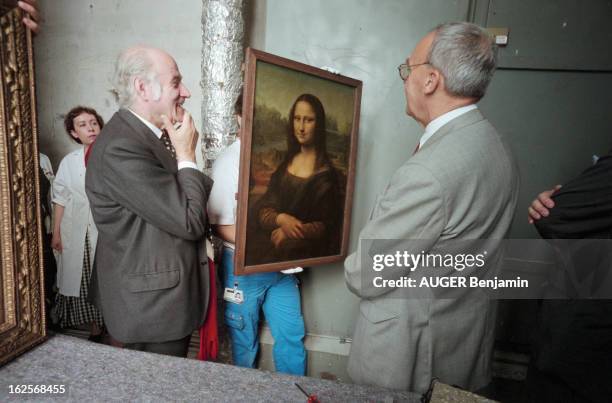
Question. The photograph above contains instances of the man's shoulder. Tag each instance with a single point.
(72, 156)
(227, 161)
(471, 130)
(464, 142)
(468, 154)
(117, 123)
(118, 132)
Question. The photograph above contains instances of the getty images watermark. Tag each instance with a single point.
(516, 268)
(457, 262)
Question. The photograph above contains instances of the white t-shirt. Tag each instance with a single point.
(222, 201)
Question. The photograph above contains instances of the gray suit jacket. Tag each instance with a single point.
(150, 273)
(462, 185)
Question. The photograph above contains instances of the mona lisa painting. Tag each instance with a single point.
(300, 126)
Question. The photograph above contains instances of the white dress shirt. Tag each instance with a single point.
(158, 133)
(441, 120)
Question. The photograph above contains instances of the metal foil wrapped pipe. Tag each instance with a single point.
(222, 57)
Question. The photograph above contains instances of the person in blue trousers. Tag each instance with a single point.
(276, 294)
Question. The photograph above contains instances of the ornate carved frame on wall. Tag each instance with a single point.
(22, 315)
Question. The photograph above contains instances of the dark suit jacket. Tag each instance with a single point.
(574, 342)
(583, 206)
(150, 274)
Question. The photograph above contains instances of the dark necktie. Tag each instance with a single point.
(167, 143)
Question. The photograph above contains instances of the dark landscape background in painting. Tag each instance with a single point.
(276, 88)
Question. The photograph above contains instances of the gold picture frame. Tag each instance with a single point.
(22, 314)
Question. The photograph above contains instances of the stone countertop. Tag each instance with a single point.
(95, 372)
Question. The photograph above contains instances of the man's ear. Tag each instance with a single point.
(140, 87)
(433, 81)
(74, 134)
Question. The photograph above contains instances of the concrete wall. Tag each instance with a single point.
(77, 47)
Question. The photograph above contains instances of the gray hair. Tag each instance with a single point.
(466, 56)
(133, 63)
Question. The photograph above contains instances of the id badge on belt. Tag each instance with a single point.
(233, 295)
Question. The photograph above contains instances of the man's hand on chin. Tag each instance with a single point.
(184, 139)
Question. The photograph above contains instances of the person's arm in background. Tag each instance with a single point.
(226, 232)
(582, 208)
(541, 205)
(32, 20)
(61, 194)
(58, 214)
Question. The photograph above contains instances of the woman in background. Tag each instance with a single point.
(74, 231)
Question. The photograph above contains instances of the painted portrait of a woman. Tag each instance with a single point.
(300, 214)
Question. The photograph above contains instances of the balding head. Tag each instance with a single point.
(136, 62)
(149, 83)
(449, 68)
(465, 55)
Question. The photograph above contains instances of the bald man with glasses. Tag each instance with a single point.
(460, 184)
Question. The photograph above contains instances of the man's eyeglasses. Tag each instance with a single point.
(405, 69)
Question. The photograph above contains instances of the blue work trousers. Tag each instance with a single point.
(279, 297)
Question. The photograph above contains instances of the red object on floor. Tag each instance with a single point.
(209, 334)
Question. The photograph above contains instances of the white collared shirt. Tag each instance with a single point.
(158, 133)
(441, 120)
